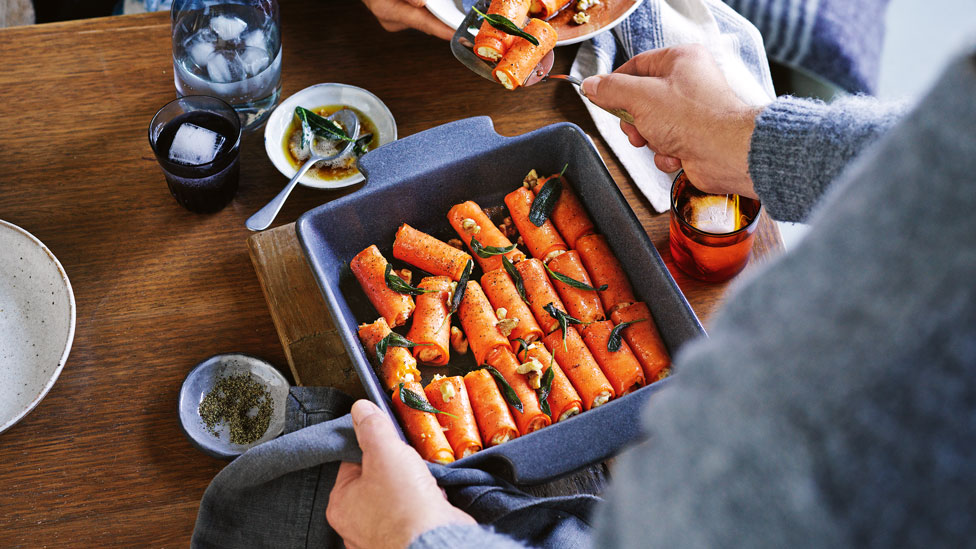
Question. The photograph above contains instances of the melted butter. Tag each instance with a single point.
(324, 172)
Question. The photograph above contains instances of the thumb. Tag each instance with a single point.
(374, 431)
(623, 91)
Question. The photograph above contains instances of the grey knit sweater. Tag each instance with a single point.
(835, 402)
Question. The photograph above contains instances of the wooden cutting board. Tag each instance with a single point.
(313, 348)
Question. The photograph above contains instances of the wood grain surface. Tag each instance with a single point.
(101, 461)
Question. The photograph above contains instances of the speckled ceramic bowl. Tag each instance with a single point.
(37, 322)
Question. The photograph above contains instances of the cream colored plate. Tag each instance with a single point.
(37, 322)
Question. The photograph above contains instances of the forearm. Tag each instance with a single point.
(800, 146)
(463, 536)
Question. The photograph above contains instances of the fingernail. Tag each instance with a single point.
(590, 85)
(361, 409)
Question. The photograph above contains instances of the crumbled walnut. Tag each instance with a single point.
(456, 243)
(506, 325)
(531, 180)
(501, 313)
(532, 371)
(581, 18)
(470, 225)
(447, 391)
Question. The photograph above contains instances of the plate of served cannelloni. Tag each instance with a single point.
(500, 300)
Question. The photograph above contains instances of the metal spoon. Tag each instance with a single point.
(462, 47)
(263, 218)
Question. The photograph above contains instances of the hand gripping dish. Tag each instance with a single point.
(427, 172)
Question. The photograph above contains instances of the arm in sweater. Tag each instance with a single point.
(800, 146)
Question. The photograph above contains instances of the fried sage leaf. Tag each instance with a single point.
(544, 390)
(400, 286)
(516, 277)
(573, 282)
(614, 341)
(523, 345)
(564, 320)
(513, 400)
(485, 252)
(462, 285)
(417, 402)
(393, 339)
(362, 144)
(546, 200)
(506, 25)
(321, 125)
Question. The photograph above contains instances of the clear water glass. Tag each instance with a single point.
(229, 49)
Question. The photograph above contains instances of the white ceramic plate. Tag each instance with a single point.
(316, 96)
(451, 13)
(37, 322)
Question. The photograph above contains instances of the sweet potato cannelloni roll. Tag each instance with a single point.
(428, 253)
(398, 364)
(502, 294)
(495, 421)
(431, 322)
(423, 430)
(469, 220)
(544, 9)
(621, 366)
(644, 339)
(604, 268)
(564, 401)
(369, 267)
(568, 215)
(479, 323)
(540, 293)
(584, 305)
(491, 43)
(448, 394)
(543, 242)
(580, 367)
(531, 418)
(520, 59)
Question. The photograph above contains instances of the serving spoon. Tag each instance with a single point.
(462, 47)
(263, 218)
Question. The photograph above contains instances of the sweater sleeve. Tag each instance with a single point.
(464, 536)
(800, 145)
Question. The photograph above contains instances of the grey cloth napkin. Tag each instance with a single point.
(275, 494)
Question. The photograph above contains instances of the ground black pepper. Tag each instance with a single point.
(241, 403)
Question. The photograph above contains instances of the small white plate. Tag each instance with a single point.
(321, 95)
(37, 322)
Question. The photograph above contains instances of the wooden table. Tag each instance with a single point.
(101, 461)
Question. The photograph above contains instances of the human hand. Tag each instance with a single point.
(391, 498)
(685, 111)
(397, 15)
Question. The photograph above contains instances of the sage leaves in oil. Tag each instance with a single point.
(516, 277)
(362, 144)
(614, 341)
(462, 285)
(564, 320)
(400, 286)
(546, 200)
(417, 402)
(506, 25)
(510, 396)
(393, 339)
(320, 125)
(573, 282)
(484, 252)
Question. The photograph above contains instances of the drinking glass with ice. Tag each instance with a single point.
(229, 49)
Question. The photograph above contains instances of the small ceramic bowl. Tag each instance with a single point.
(316, 96)
(201, 380)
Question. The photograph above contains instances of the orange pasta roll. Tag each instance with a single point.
(540, 293)
(531, 418)
(478, 321)
(644, 339)
(428, 253)
(584, 305)
(568, 215)
(369, 267)
(422, 428)
(564, 401)
(431, 322)
(621, 366)
(604, 268)
(502, 294)
(398, 364)
(520, 59)
(545, 9)
(448, 394)
(491, 43)
(469, 220)
(543, 241)
(495, 421)
(580, 367)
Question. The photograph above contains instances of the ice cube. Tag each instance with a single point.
(225, 66)
(193, 145)
(256, 39)
(254, 60)
(228, 27)
(711, 213)
(199, 51)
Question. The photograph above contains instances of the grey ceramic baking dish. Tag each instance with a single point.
(416, 180)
